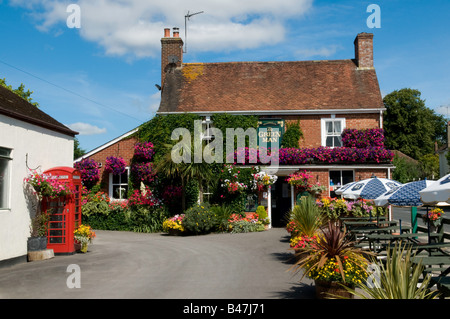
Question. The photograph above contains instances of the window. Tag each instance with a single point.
(118, 185)
(338, 179)
(5, 163)
(331, 132)
(251, 203)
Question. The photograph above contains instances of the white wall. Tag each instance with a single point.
(45, 149)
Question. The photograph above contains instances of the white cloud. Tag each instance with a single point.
(443, 110)
(134, 27)
(86, 128)
(322, 52)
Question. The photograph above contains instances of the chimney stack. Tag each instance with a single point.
(364, 50)
(171, 52)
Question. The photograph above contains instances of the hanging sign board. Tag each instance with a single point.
(270, 132)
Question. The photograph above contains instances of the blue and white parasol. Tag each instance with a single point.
(370, 188)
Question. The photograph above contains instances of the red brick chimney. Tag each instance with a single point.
(364, 50)
(171, 52)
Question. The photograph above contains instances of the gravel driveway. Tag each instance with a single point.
(135, 265)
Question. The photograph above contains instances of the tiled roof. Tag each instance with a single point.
(16, 107)
(270, 86)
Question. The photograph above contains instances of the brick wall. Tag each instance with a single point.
(311, 125)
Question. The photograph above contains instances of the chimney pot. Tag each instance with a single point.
(167, 32)
(176, 32)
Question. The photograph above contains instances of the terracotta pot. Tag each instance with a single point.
(331, 289)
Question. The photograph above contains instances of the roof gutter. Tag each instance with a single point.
(286, 112)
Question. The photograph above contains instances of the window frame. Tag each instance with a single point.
(111, 184)
(8, 157)
(341, 181)
(323, 127)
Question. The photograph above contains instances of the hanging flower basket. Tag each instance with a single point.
(262, 181)
(115, 165)
(299, 180)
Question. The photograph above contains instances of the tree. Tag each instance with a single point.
(429, 165)
(411, 127)
(20, 91)
(77, 151)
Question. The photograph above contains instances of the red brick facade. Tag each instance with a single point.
(311, 125)
(123, 148)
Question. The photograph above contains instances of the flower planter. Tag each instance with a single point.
(330, 290)
(175, 232)
(37, 243)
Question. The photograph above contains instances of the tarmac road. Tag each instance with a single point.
(129, 265)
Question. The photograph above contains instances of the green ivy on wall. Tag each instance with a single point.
(292, 136)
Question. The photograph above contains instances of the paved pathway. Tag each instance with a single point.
(135, 265)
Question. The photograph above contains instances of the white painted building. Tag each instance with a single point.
(29, 139)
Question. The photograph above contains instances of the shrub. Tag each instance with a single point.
(261, 212)
(200, 219)
(245, 226)
(222, 213)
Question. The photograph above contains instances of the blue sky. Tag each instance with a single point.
(100, 79)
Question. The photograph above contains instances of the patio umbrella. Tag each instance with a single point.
(370, 188)
(406, 195)
(437, 192)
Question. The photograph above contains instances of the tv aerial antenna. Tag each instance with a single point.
(186, 18)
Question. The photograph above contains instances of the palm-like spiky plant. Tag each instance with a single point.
(307, 216)
(398, 279)
(331, 243)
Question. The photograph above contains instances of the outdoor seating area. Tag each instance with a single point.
(429, 246)
(355, 242)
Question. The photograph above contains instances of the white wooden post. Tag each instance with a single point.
(292, 197)
(269, 205)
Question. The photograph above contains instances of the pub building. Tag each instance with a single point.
(324, 97)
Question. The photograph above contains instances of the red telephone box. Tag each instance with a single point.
(65, 211)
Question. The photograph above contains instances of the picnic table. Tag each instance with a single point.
(392, 238)
(442, 281)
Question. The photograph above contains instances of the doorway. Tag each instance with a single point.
(281, 202)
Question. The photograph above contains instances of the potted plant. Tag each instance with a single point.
(174, 225)
(333, 261)
(38, 231)
(84, 235)
(433, 218)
